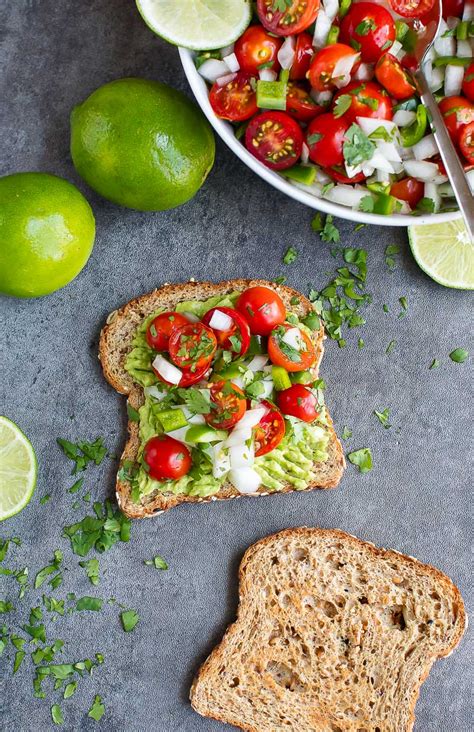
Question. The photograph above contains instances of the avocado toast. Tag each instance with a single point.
(308, 455)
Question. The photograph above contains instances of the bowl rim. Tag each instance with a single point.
(225, 132)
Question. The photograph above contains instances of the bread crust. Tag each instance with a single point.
(115, 343)
(217, 655)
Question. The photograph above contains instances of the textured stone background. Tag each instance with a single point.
(417, 499)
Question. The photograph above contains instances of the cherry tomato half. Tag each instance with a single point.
(457, 112)
(236, 100)
(159, 331)
(296, 16)
(229, 404)
(237, 338)
(192, 346)
(262, 308)
(283, 354)
(188, 377)
(303, 54)
(412, 8)
(390, 73)
(275, 139)
(299, 402)
(256, 47)
(269, 432)
(321, 70)
(368, 28)
(368, 100)
(468, 83)
(300, 104)
(466, 142)
(409, 190)
(166, 458)
(325, 139)
(338, 173)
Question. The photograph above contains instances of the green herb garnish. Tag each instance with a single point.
(459, 355)
(97, 709)
(82, 453)
(383, 417)
(129, 620)
(290, 255)
(362, 459)
(157, 562)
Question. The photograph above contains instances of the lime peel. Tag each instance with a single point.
(444, 252)
(18, 468)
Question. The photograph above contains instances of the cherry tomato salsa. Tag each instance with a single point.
(306, 81)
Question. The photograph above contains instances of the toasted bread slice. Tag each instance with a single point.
(332, 635)
(116, 342)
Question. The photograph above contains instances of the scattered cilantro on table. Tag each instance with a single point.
(129, 620)
(157, 562)
(97, 709)
(362, 459)
(390, 251)
(290, 256)
(459, 355)
(383, 417)
(82, 453)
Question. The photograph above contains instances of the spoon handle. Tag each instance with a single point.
(449, 156)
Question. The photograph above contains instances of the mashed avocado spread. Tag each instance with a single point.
(290, 463)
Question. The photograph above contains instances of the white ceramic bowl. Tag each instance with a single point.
(225, 131)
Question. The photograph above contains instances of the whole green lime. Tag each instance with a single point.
(141, 144)
(47, 232)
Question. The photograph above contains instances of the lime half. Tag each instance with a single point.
(445, 252)
(197, 24)
(17, 469)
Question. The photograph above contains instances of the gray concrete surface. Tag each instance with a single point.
(417, 499)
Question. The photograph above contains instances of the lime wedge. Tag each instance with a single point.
(445, 252)
(197, 24)
(17, 469)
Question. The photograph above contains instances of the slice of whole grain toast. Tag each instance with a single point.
(116, 342)
(332, 635)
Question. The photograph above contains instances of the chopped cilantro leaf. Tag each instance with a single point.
(357, 147)
(362, 459)
(360, 343)
(157, 562)
(70, 689)
(89, 603)
(82, 453)
(367, 204)
(383, 417)
(45, 499)
(132, 413)
(390, 251)
(459, 355)
(50, 569)
(280, 280)
(290, 255)
(390, 347)
(5, 607)
(317, 222)
(92, 570)
(19, 656)
(129, 620)
(314, 138)
(341, 105)
(97, 709)
(330, 232)
(434, 364)
(365, 26)
(403, 302)
(197, 400)
(56, 714)
(346, 433)
(77, 486)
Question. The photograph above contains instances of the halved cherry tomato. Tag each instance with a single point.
(188, 378)
(299, 103)
(368, 28)
(303, 54)
(409, 62)
(390, 73)
(338, 173)
(192, 346)
(468, 83)
(325, 139)
(368, 100)
(275, 139)
(166, 458)
(322, 66)
(237, 338)
(159, 331)
(256, 47)
(296, 16)
(282, 354)
(409, 190)
(457, 112)
(466, 142)
(412, 8)
(298, 401)
(236, 100)
(262, 308)
(229, 403)
(269, 432)
(452, 8)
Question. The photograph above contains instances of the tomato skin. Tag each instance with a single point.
(269, 432)
(230, 403)
(188, 378)
(452, 8)
(299, 103)
(412, 8)
(294, 19)
(167, 458)
(159, 331)
(298, 401)
(369, 25)
(278, 357)
(192, 346)
(468, 83)
(256, 47)
(366, 90)
(236, 101)
(457, 112)
(409, 190)
(339, 175)
(466, 142)
(390, 73)
(323, 63)
(303, 54)
(327, 151)
(240, 328)
(275, 139)
(262, 308)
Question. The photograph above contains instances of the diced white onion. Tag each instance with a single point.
(369, 125)
(389, 151)
(227, 50)
(406, 153)
(220, 460)
(232, 62)
(396, 49)
(238, 381)
(239, 436)
(267, 388)
(224, 80)
(470, 179)
(257, 363)
(321, 29)
(322, 177)
(241, 456)
(286, 54)
(432, 192)
(464, 49)
(331, 8)
(405, 208)
(212, 69)
(304, 153)
(321, 97)
(179, 434)
(341, 74)
(421, 170)
(425, 148)
(293, 338)
(437, 78)
(403, 117)
(428, 72)
(346, 195)
(444, 46)
(168, 371)
(352, 170)
(453, 80)
(154, 392)
(365, 72)
(440, 179)
(252, 417)
(452, 22)
(246, 480)
(382, 177)
(379, 162)
(268, 75)
(220, 321)
(191, 317)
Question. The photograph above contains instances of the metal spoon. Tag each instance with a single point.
(449, 156)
